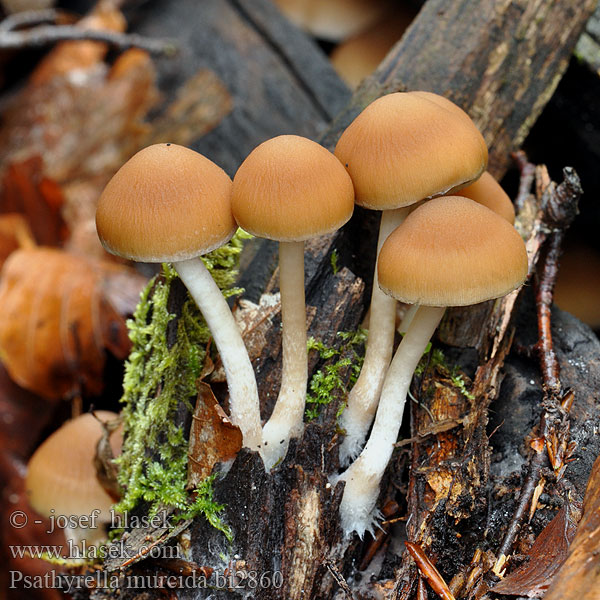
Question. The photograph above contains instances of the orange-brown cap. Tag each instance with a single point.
(404, 147)
(452, 251)
(487, 191)
(291, 189)
(166, 203)
(61, 475)
(333, 19)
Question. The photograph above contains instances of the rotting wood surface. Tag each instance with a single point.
(287, 521)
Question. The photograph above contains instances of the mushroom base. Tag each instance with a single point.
(357, 510)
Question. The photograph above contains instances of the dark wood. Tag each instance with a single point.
(500, 61)
(279, 80)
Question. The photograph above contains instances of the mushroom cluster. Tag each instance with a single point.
(402, 155)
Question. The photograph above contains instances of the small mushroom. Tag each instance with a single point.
(171, 204)
(449, 252)
(487, 191)
(62, 482)
(291, 189)
(403, 148)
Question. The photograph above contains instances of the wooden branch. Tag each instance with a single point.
(500, 61)
(29, 17)
(45, 35)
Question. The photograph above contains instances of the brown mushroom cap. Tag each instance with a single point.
(333, 19)
(166, 203)
(452, 252)
(487, 191)
(403, 148)
(61, 475)
(291, 189)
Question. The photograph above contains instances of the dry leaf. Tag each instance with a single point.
(84, 130)
(26, 190)
(579, 577)
(56, 323)
(15, 233)
(79, 56)
(213, 437)
(546, 556)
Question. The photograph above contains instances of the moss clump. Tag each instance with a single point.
(335, 267)
(203, 504)
(158, 380)
(437, 361)
(332, 377)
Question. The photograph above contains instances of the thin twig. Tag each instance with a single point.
(339, 579)
(527, 174)
(50, 34)
(429, 572)
(544, 296)
(28, 18)
(559, 206)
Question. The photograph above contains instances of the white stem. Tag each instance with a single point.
(409, 315)
(364, 396)
(357, 510)
(287, 420)
(243, 393)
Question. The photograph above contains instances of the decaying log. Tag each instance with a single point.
(278, 79)
(501, 61)
(286, 522)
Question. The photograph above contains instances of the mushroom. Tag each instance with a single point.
(291, 189)
(389, 150)
(171, 204)
(487, 191)
(449, 252)
(333, 20)
(360, 55)
(61, 479)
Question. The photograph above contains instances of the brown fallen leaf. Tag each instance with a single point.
(56, 323)
(579, 577)
(532, 578)
(80, 119)
(27, 191)
(15, 233)
(213, 437)
(80, 55)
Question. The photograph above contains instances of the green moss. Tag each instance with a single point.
(331, 379)
(438, 362)
(335, 267)
(203, 504)
(158, 380)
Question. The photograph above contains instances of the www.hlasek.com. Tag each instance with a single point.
(231, 580)
(72, 551)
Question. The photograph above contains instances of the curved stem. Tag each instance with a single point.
(243, 393)
(409, 315)
(287, 420)
(357, 510)
(364, 396)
